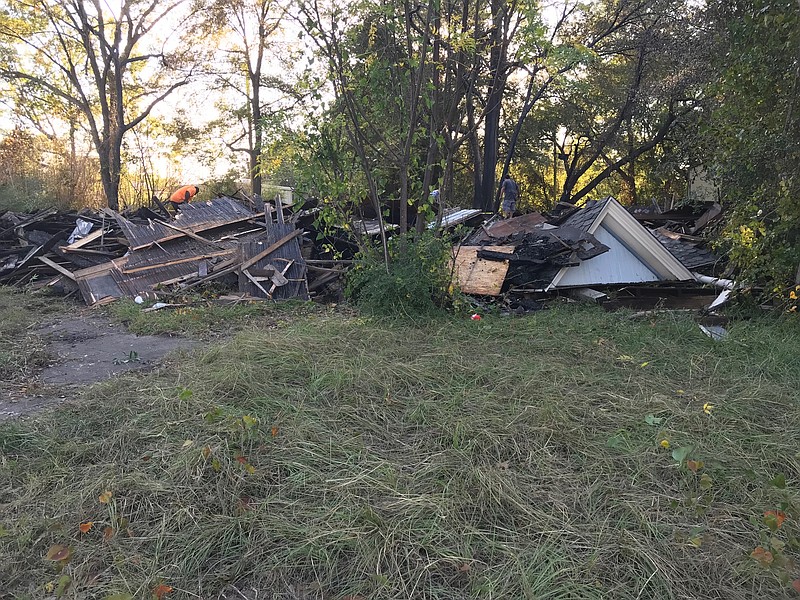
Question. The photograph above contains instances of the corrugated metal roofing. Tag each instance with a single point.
(454, 216)
(194, 217)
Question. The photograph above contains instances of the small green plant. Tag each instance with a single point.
(133, 356)
(416, 281)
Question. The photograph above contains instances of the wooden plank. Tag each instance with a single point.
(57, 267)
(255, 282)
(271, 249)
(191, 234)
(178, 261)
(84, 240)
(478, 276)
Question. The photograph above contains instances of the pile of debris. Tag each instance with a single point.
(598, 251)
(585, 252)
(106, 255)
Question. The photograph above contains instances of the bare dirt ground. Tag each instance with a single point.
(85, 347)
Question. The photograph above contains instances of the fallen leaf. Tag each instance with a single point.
(187, 443)
(696, 541)
(706, 482)
(680, 392)
(682, 453)
(774, 519)
(57, 553)
(85, 527)
(206, 452)
(707, 408)
(120, 596)
(764, 557)
(504, 466)
(241, 459)
(694, 465)
(105, 497)
(161, 590)
(796, 585)
(779, 481)
(653, 420)
(625, 358)
(249, 422)
(274, 431)
(465, 568)
(108, 533)
(63, 583)
(250, 469)
(664, 444)
(776, 544)
(644, 364)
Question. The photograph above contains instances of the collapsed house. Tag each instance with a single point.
(265, 252)
(578, 251)
(108, 255)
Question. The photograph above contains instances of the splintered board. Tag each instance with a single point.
(479, 276)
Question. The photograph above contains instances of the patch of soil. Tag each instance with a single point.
(86, 348)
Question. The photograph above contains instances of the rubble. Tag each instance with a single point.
(591, 252)
(600, 252)
(145, 254)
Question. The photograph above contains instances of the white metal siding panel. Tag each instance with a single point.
(618, 265)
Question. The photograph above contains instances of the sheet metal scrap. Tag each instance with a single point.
(194, 217)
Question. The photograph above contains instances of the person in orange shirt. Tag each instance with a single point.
(183, 195)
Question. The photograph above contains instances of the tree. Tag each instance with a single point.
(641, 79)
(249, 54)
(751, 135)
(109, 65)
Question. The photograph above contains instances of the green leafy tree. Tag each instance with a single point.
(752, 135)
(112, 66)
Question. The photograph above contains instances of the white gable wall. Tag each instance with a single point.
(618, 265)
(637, 248)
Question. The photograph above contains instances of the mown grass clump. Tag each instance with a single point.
(22, 350)
(503, 458)
(202, 317)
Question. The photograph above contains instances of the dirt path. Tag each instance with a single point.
(86, 348)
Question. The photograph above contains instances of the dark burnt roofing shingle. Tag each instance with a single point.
(584, 218)
(690, 255)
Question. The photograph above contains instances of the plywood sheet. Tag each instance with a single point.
(479, 276)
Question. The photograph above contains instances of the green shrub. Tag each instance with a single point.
(417, 280)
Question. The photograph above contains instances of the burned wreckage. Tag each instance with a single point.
(273, 252)
(585, 252)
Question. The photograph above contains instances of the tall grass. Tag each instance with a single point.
(344, 457)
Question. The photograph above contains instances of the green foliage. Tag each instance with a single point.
(416, 282)
(753, 137)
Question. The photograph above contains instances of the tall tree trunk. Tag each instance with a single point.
(258, 134)
(494, 105)
(475, 151)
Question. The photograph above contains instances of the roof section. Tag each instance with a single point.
(632, 236)
(689, 254)
(585, 217)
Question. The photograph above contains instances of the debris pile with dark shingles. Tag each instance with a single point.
(270, 253)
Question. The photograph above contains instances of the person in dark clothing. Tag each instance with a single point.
(510, 192)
